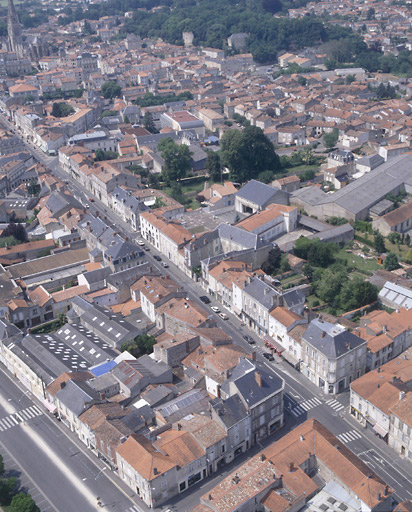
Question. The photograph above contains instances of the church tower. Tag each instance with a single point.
(14, 31)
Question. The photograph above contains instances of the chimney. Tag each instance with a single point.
(401, 395)
(386, 491)
(155, 472)
(291, 467)
(323, 334)
(62, 385)
(379, 369)
(179, 426)
(262, 457)
(301, 438)
(378, 496)
(210, 497)
(258, 379)
(384, 328)
(253, 354)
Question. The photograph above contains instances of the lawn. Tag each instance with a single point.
(365, 265)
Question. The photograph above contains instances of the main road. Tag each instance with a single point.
(303, 400)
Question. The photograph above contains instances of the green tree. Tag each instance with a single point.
(308, 271)
(370, 14)
(407, 240)
(379, 243)
(101, 155)
(213, 165)
(391, 261)
(177, 159)
(247, 153)
(8, 487)
(394, 238)
(111, 89)
(33, 188)
(330, 139)
(308, 175)
(317, 253)
(149, 124)
(357, 293)
(329, 286)
(265, 176)
(272, 264)
(142, 344)
(61, 109)
(307, 157)
(23, 502)
(18, 231)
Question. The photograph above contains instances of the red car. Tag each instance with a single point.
(91, 199)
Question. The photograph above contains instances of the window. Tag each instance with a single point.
(182, 486)
(262, 420)
(223, 448)
(275, 400)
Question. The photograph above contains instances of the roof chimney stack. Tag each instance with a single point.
(258, 378)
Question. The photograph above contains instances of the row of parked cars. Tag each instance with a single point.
(205, 299)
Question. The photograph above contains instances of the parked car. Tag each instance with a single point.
(205, 299)
(223, 316)
(269, 357)
(249, 339)
(140, 242)
(164, 264)
(146, 248)
(215, 309)
(91, 199)
(157, 258)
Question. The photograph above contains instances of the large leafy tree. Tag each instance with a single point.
(247, 153)
(391, 261)
(149, 124)
(16, 230)
(213, 165)
(23, 503)
(177, 159)
(62, 109)
(111, 89)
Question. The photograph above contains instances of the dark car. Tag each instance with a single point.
(146, 248)
(157, 258)
(249, 339)
(205, 299)
(269, 357)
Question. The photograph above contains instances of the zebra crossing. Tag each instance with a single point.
(134, 509)
(347, 437)
(335, 405)
(303, 407)
(19, 417)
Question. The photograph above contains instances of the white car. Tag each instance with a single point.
(215, 309)
(223, 316)
(140, 242)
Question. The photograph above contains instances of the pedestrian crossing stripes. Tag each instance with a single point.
(303, 407)
(347, 437)
(337, 406)
(134, 509)
(19, 417)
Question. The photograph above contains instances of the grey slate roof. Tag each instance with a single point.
(373, 186)
(261, 194)
(262, 293)
(240, 236)
(77, 396)
(230, 411)
(371, 161)
(336, 340)
(244, 379)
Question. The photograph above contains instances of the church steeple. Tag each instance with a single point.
(14, 31)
